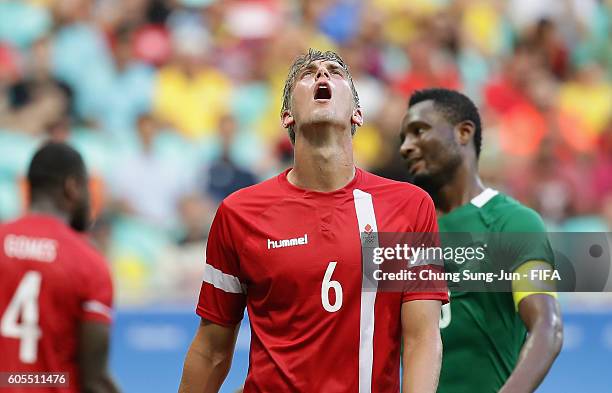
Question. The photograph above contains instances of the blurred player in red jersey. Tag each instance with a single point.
(290, 251)
(55, 289)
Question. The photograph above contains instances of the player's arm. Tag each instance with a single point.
(93, 358)
(539, 310)
(94, 327)
(221, 306)
(422, 354)
(209, 358)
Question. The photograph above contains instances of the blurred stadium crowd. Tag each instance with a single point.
(175, 104)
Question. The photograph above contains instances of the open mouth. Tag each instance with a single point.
(322, 92)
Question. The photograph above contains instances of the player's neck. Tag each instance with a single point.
(49, 208)
(323, 161)
(462, 188)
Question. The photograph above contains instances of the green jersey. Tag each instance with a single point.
(482, 332)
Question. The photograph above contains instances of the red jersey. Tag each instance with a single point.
(50, 281)
(293, 257)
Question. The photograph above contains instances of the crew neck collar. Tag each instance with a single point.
(484, 197)
(347, 189)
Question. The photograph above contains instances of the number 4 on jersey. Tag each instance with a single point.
(25, 304)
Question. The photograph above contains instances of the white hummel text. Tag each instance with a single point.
(297, 241)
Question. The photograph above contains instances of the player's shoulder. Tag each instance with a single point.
(514, 216)
(36, 226)
(79, 246)
(82, 257)
(84, 246)
(253, 198)
(393, 190)
(505, 205)
(72, 247)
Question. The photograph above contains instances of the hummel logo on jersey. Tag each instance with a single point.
(297, 241)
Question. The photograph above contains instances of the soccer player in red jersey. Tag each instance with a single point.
(290, 250)
(55, 290)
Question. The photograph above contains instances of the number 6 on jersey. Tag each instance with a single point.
(328, 284)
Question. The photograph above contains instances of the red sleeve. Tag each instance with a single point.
(97, 298)
(223, 294)
(426, 228)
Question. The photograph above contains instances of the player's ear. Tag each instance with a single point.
(287, 120)
(465, 132)
(72, 189)
(357, 117)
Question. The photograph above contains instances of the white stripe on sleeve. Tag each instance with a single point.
(97, 307)
(222, 281)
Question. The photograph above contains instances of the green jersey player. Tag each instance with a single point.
(486, 348)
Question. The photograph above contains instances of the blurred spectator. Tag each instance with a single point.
(147, 185)
(9, 67)
(549, 45)
(81, 57)
(606, 210)
(484, 26)
(507, 89)
(100, 234)
(602, 170)
(23, 22)
(196, 216)
(588, 97)
(189, 94)
(527, 123)
(37, 106)
(547, 185)
(430, 66)
(371, 89)
(132, 85)
(179, 272)
(337, 21)
(223, 175)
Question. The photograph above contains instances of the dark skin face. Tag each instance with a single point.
(441, 157)
(431, 146)
(69, 201)
(76, 194)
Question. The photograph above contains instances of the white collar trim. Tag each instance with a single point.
(481, 199)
